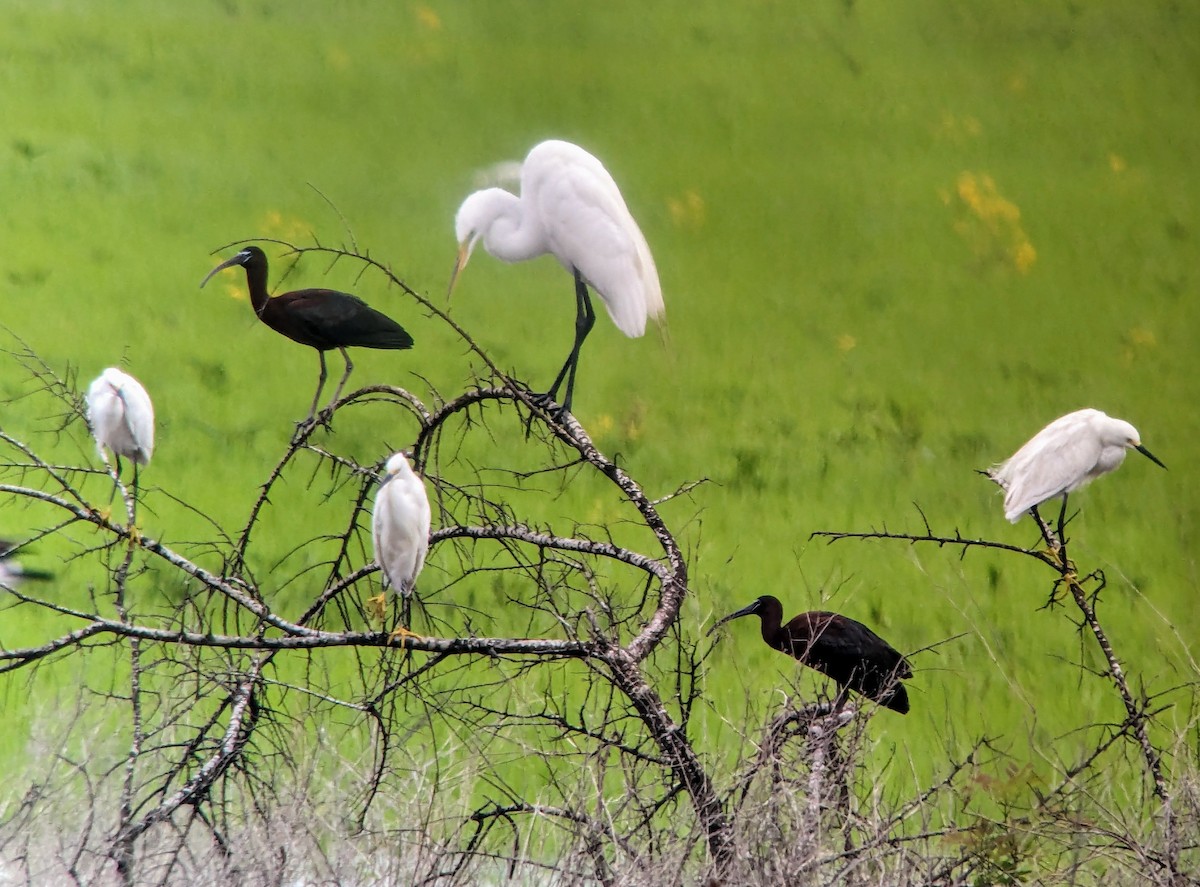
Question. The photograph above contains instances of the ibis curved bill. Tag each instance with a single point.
(322, 319)
(838, 647)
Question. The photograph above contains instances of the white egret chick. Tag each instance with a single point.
(400, 521)
(1071, 451)
(571, 208)
(121, 417)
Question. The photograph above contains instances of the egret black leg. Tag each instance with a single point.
(116, 480)
(1062, 536)
(585, 319)
(133, 507)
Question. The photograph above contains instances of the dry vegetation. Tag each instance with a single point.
(247, 743)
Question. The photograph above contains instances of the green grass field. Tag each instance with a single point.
(894, 241)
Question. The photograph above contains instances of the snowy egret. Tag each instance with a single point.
(1069, 452)
(121, 417)
(319, 318)
(400, 523)
(838, 647)
(571, 208)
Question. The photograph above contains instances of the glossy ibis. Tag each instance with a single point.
(571, 208)
(319, 318)
(1071, 451)
(400, 530)
(121, 416)
(838, 647)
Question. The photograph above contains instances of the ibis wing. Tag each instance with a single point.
(326, 319)
(847, 650)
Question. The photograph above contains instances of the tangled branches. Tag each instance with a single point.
(225, 706)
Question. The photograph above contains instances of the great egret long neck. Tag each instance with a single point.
(509, 233)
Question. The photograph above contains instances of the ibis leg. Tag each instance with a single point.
(320, 385)
(341, 384)
(585, 319)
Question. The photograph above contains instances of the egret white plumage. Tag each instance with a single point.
(121, 416)
(400, 521)
(1071, 451)
(571, 208)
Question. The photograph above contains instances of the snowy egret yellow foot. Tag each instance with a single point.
(135, 535)
(400, 632)
(376, 606)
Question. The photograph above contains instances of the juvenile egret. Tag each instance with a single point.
(1069, 452)
(319, 318)
(838, 647)
(121, 417)
(571, 208)
(400, 523)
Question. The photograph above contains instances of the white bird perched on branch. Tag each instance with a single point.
(1071, 451)
(121, 416)
(400, 521)
(571, 208)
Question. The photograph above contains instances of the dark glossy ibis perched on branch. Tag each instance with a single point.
(838, 647)
(319, 318)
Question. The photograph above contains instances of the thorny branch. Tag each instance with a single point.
(270, 632)
(1055, 557)
(551, 665)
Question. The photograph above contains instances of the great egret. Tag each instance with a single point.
(121, 416)
(400, 521)
(1071, 451)
(319, 318)
(571, 208)
(838, 647)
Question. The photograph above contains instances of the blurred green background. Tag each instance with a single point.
(895, 240)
